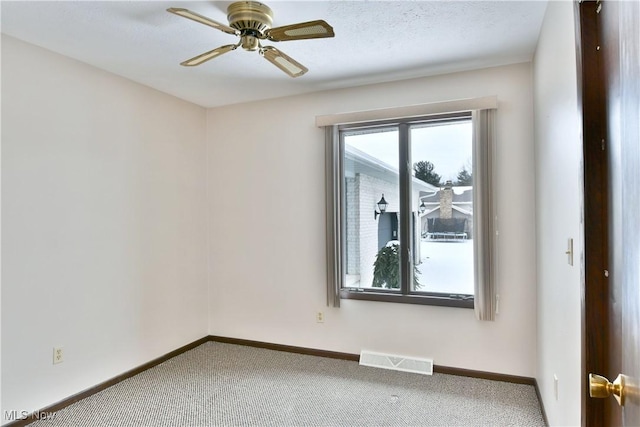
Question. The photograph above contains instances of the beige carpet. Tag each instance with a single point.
(228, 385)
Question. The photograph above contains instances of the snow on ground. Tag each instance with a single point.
(446, 267)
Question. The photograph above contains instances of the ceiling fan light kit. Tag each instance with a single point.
(251, 21)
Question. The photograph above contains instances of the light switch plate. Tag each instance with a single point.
(569, 251)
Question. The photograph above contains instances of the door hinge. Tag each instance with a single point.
(599, 7)
(602, 144)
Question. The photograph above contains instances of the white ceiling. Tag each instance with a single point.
(376, 41)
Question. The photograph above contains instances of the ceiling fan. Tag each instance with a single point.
(251, 21)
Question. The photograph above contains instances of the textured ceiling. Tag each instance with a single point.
(376, 41)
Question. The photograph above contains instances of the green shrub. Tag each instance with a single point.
(386, 268)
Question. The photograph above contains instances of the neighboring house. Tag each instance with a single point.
(454, 205)
(367, 179)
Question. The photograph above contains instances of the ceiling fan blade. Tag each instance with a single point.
(185, 13)
(282, 61)
(304, 30)
(197, 60)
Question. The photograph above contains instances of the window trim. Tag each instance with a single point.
(423, 298)
(419, 110)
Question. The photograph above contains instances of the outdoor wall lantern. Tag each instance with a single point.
(382, 205)
(422, 207)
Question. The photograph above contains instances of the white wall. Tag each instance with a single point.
(103, 191)
(266, 228)
(558, 206)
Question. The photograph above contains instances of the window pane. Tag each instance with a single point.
(442, 197)
(371, 174)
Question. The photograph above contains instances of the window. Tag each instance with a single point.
(409, 211)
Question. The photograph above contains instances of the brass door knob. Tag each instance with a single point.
(600, 387)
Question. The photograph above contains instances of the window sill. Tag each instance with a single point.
(457, 301)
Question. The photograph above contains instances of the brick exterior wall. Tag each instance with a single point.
(352, 187)
(371, 189)
(362, 195)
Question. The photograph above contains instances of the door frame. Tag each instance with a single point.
(595, 291)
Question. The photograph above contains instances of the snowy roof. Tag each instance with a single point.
(368, 165)
(462, 194)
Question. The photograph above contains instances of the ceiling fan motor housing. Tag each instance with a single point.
(250, 17)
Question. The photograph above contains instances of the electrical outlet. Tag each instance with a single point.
(58, 355)
(555, 385)
(320, 317)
